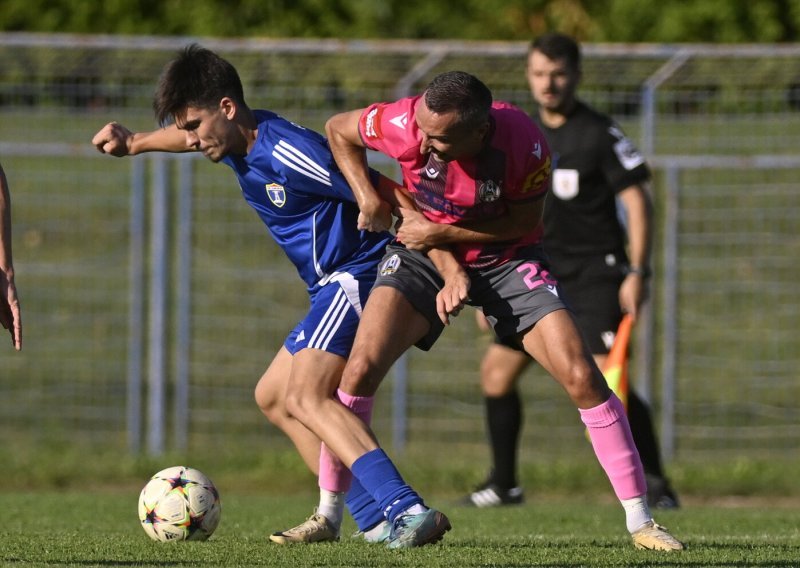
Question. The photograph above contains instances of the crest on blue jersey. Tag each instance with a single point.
(276, 194)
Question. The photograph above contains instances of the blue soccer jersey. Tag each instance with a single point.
(291, 180)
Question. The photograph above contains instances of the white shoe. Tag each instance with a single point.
(317, 528)
(653, 536)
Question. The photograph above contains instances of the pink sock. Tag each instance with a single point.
(613, 445)
(360, 405)
(333, 475)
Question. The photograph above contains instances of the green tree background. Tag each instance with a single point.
(718, 21)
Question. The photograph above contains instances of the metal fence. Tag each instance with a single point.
(153, 298)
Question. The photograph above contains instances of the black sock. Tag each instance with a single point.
(644, 435)
(504, 422)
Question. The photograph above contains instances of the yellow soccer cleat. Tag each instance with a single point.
(653, 536)
(317, 528)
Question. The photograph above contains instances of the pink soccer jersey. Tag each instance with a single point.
(514, 166)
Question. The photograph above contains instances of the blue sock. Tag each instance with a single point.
(380, 478)
(363, 507)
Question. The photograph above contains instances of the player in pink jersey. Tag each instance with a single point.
(597, 233)
(510, 169)
(478, 173)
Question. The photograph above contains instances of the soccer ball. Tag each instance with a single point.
(179, 503)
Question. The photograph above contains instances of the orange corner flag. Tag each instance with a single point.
(616, 368)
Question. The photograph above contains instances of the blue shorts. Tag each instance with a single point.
(332, 320)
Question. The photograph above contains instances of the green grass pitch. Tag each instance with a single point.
(85, 528)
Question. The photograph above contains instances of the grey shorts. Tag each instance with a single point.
(513, 296)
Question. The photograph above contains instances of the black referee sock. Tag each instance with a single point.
(644, 435)
(504, 422)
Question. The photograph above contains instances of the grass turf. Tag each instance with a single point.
(86, 528)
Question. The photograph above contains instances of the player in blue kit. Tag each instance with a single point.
(288, 175)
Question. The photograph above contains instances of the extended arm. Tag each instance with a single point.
(118, 141)
(638, 210)
(350, 154)
(10, 315)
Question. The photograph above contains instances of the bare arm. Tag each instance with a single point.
(393, 193)
(451, 298)
(350, 154)
(118, 141)
(417, 232)
(10, 315)
(455, 292)
(638, 209)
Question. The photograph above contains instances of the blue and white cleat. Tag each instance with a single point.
(410, 531)
(377, 535)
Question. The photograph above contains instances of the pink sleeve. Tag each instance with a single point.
(537, 179)
(389, 128)
(533, 179)
(529, 160)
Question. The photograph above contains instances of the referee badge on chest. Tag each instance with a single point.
(276, 194)
(566, 184)
(390, 265)
(489, 191)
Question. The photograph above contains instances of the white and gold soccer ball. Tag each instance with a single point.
(179, 503)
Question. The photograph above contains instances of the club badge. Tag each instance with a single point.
(489, 191)
(390, 265)
(276, 194)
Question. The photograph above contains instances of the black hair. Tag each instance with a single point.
(460, 92)
(555, 46)
(197, 77)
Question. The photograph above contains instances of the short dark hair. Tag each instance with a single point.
(197, 77)
(555, 45)
(460, 92)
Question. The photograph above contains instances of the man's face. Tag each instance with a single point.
(208, 130)
(444, 137)
(552, 81)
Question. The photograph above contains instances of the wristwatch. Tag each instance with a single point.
(643, 271)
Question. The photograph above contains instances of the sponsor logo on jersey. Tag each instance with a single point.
(276, 194)
(372, 123)
(536, 180)
(489, 191)
(400, 121)
(390, 265)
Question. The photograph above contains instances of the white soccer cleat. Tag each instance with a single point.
(317, 528)
(653, 536)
